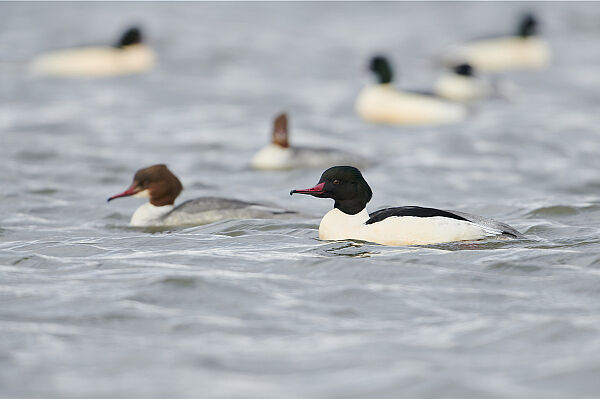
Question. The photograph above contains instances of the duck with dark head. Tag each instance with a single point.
(523, 49)
(129, 55)
(407, 225)
(383, 103)
(462, 83)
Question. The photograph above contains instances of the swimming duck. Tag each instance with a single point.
(279, 155)
(128, 56)
(523, 50)
(383, 103)
(463, 85)
(407, 225)
(161, 187)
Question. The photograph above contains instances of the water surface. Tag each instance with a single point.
(263, 309)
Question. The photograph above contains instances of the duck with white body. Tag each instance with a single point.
(162, 187)
(408, 225)
(280, 155)
(461, 84)
(524, 50)
(128, 56)
(383, 103)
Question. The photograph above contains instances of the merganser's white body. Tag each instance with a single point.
(502, 54)
(384, 104)
(95, 61)
(462, 88)
(401, 230)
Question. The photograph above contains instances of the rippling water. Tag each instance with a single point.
(263, 309)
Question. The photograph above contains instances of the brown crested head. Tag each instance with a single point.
(280, 130)
(162, 185)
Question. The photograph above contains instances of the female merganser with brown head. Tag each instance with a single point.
(407, 225)
(382, 103)
(128, 56)
(523, 50)
(161, 187)
(280, 155)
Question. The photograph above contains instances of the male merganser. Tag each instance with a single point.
(524, 50)
(279, 155)
(161, 186)
(462, 85)
(407, 225)
(382, 103)
(128, 56)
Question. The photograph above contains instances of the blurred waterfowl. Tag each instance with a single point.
(383, 103)
(523, 50)
(462, 84)
(280, 155)
(407, 225)
(161, 187)
(128, 56)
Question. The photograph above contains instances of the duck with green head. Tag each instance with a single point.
(406, 225)
(524, 49)
(383, 103)
(129, 55)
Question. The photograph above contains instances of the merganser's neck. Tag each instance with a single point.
(149, 215)
(351, 207)
(336, 224)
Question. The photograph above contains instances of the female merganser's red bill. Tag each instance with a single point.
(161, 187)
(408, 225)
(132, 190)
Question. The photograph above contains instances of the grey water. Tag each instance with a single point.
(91, 308)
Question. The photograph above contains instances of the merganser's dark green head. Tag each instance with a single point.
(381, 67)
(528, 26)
(345, 185)
(131, 36)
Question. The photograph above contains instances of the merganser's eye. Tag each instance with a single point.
(336, 181)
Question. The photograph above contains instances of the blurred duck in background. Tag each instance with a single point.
(279, 155)
(463, 85)
(523, 50)
(128, 56)
(161, 187)
(383, 103)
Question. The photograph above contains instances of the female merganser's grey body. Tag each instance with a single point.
(280, 155)
(408, 225)
(161, 187)
(128, 56)
(523, 50)
(382, 103)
